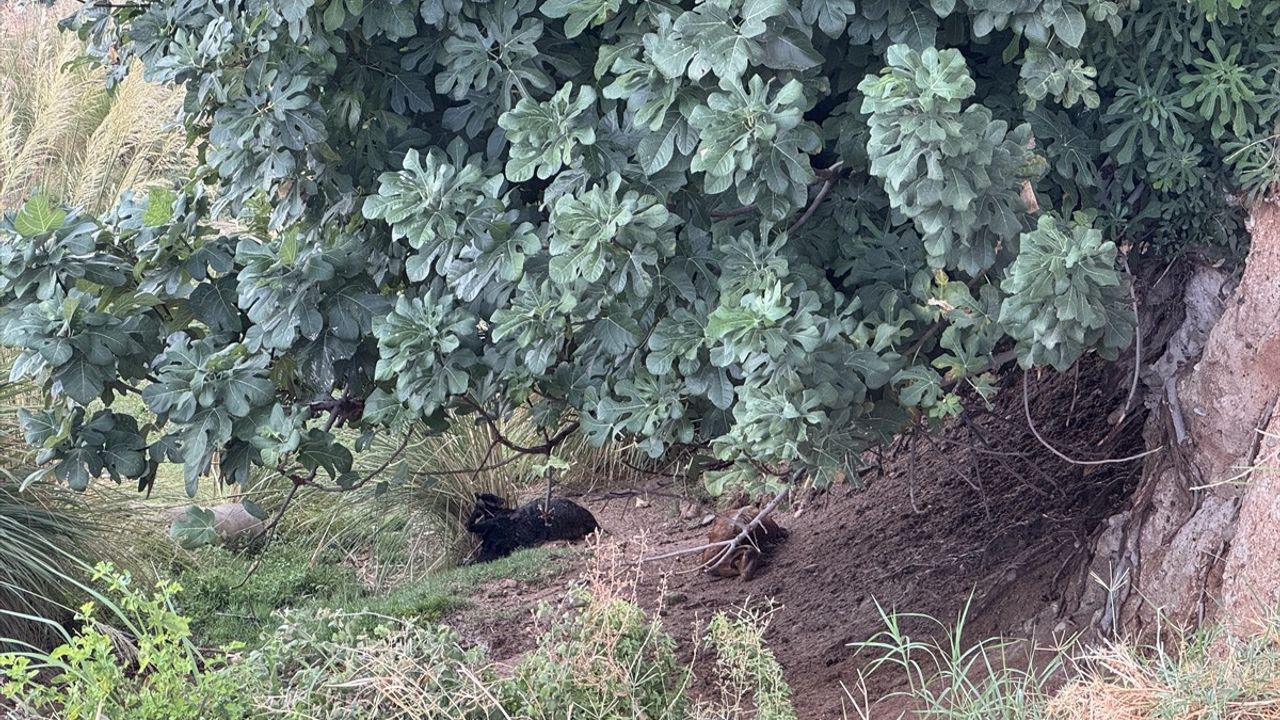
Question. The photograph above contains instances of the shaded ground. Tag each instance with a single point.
(980, 507)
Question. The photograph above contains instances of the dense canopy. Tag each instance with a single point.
(779, 230)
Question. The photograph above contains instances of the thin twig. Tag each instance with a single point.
(919, 344)
(372, 473)
(997, 362)
(465, 471)
(832, 173)
(1026, 408)
(1000, 458)
(686, 551)
(745, 535)
(544, 449)
(742, 210)
(270, 530)
(911, 477)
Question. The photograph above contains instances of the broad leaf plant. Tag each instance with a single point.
(770, 232)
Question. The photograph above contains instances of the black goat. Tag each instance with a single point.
(503, 530)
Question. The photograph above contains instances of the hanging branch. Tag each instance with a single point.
(369, 476)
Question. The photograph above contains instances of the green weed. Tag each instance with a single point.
(151, 674)
(953, 678)
(747, 669)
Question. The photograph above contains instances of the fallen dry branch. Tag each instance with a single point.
(728, 546)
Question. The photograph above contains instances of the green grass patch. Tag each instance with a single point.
(450, 590)
(226, 602)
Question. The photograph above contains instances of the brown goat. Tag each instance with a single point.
(744, 559)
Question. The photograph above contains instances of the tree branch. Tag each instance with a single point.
(829, 176)
(997, 362)
(372, 473)
(342, 410)
(742, 210)
(1137, 346)
(728, 545)
(544, 449)
(832, 174)
(745, 535)
(299, 481)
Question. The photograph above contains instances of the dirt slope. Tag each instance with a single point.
(979, 507)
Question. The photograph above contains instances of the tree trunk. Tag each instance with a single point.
(1201, 540)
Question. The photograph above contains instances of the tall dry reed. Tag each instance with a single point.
(62, 131)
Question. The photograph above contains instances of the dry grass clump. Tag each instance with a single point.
(62, 132)
(1211, 675)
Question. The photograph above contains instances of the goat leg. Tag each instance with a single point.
(750, 561)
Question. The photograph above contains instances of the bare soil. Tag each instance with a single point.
(979, 510)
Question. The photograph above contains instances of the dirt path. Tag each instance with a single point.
(980, 508)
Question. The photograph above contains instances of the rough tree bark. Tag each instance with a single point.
(1201, 539)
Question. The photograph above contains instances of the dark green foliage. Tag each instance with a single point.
(762, 228)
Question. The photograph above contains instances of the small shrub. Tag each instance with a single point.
(747, 669)
(609, 661)
(332, 665)
(155, 676)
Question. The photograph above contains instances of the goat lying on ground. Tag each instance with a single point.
(743, 559)
(503, 530)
